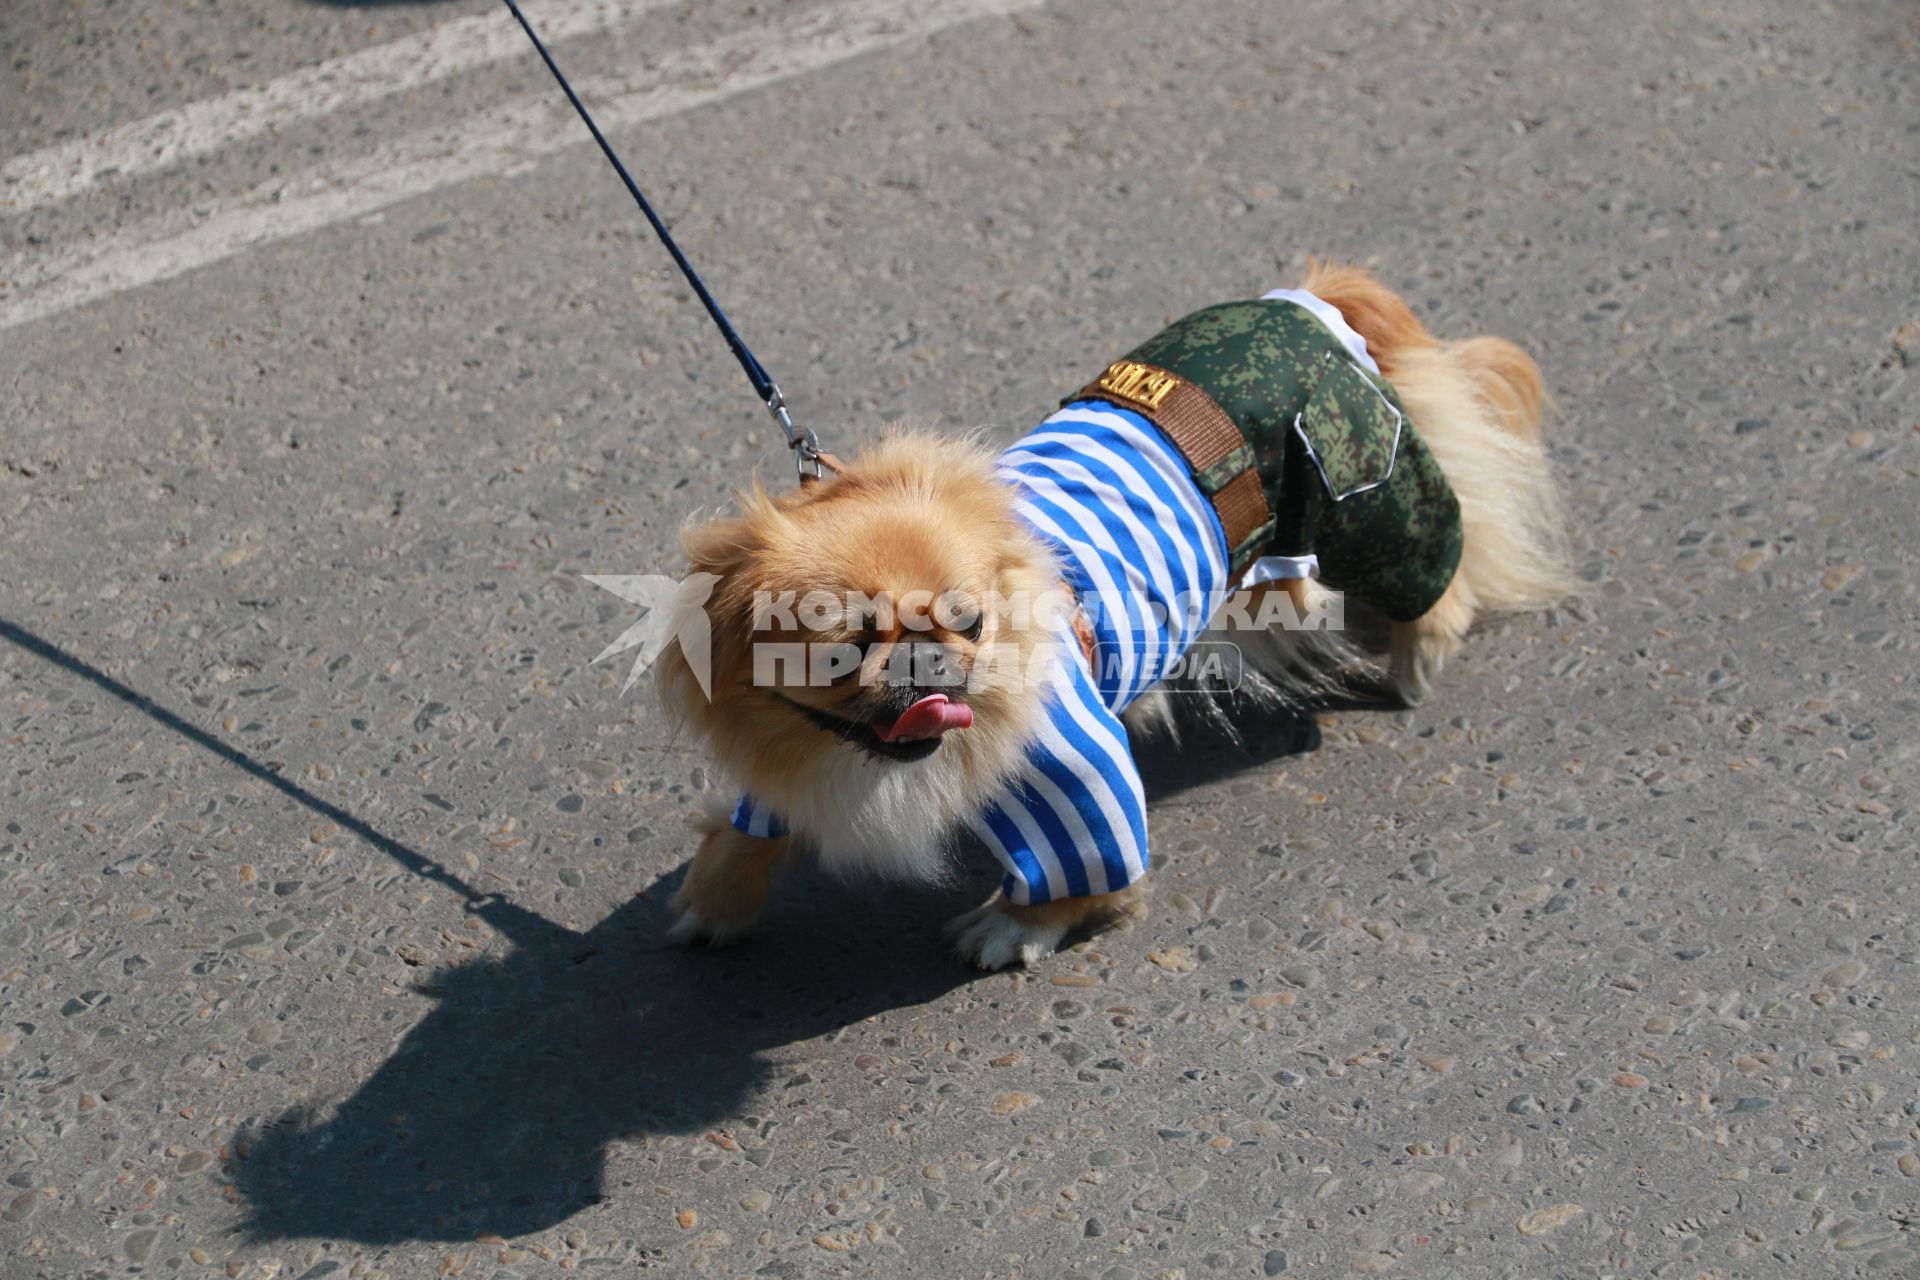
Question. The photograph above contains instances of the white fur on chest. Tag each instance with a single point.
(874, 817)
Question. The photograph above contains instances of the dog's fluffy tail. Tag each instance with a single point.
(1478, 405)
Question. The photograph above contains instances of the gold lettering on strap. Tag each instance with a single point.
(1143, 384)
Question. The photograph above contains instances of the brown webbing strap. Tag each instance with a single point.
(828, 463)
(1213, 446)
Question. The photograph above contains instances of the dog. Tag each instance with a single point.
(1222, 482)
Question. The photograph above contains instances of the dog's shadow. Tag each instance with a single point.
(496, 1111)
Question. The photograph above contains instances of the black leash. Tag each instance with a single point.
(807, 455)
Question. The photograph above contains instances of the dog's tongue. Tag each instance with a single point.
(930, 717)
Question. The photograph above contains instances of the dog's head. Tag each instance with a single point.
(885, 617)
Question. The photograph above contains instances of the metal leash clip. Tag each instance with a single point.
(805, 445)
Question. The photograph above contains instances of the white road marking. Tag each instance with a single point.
(491, 142)
(464, 44)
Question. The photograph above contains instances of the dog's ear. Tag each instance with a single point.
(724, 549)
(727, 549)
(722, 546)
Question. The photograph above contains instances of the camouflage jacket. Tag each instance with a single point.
(1346, 477)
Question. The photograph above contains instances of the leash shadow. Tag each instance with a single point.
(497, 1111)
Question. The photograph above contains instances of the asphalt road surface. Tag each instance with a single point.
(332, 875)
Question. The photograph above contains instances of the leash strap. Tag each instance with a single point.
(807, 456)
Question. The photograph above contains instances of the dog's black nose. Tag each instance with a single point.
(936, 667)
(916, 670)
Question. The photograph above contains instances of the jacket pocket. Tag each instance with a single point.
(1350, 429)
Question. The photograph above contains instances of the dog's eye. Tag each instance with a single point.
(958, 613)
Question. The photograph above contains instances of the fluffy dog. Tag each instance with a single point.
(985, 618)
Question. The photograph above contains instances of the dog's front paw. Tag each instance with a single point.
(690, 927)
(991, 938)
(726, 886)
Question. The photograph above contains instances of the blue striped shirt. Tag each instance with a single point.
(1145, 554)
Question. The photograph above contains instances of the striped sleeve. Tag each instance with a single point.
(1073, 821)
(754, 819)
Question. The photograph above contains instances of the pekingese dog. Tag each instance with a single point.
(942, 639)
